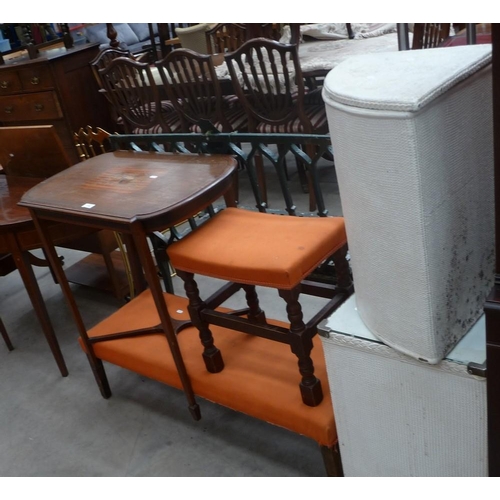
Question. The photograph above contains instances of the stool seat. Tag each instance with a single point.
(254, 248)
(249, 249)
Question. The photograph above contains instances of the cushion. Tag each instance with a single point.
(97, 33)
(257, 248)
(142, 31)
(260, 377)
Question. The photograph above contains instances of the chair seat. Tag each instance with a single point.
(259, 249)
(237, 118)
(259, 379)
(316, 114)
(170, 117)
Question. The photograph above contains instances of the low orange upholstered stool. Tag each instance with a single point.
(259, 379)
(248, 248)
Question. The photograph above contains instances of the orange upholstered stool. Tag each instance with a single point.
(248, 248)
(259, 378)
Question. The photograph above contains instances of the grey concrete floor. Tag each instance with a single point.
(54, 426)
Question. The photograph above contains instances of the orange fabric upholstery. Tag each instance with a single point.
(259, 379)
(260, 249)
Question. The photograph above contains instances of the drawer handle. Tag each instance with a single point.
(4, 84)
(38, 107)
(35, 80)
(9, 109)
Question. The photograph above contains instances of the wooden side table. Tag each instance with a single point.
(134, 193)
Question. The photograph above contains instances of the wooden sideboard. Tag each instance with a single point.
(57, 88)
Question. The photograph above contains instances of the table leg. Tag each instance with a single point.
(5, 336)
(141, 242)
(50, 252)
(22, 260)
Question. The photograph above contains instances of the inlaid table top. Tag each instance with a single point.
(119, 188)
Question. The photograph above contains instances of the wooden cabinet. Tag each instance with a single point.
(57, 88)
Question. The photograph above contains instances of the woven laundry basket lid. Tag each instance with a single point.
(402, 81)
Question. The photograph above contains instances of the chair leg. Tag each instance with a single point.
(5, 336)
(211, 354)
(301, 345)
(332, 460)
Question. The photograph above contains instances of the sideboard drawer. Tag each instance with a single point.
(36, 78)
(30, 107)
(9, 82)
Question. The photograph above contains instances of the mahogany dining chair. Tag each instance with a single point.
(267, 78)
(193, 88)
(135, 96)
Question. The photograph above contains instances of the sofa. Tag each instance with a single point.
(132, 36)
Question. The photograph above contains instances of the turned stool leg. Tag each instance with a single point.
(211, 354)
(301, 345)
(255, 312)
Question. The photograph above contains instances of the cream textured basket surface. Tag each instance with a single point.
(412, 138)
(397, 416)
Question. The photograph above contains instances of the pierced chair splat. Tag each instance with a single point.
(193, 88)
(268, 80)
(134, 94)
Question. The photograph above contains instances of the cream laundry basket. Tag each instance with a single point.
(399, 417)
(412, 138)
